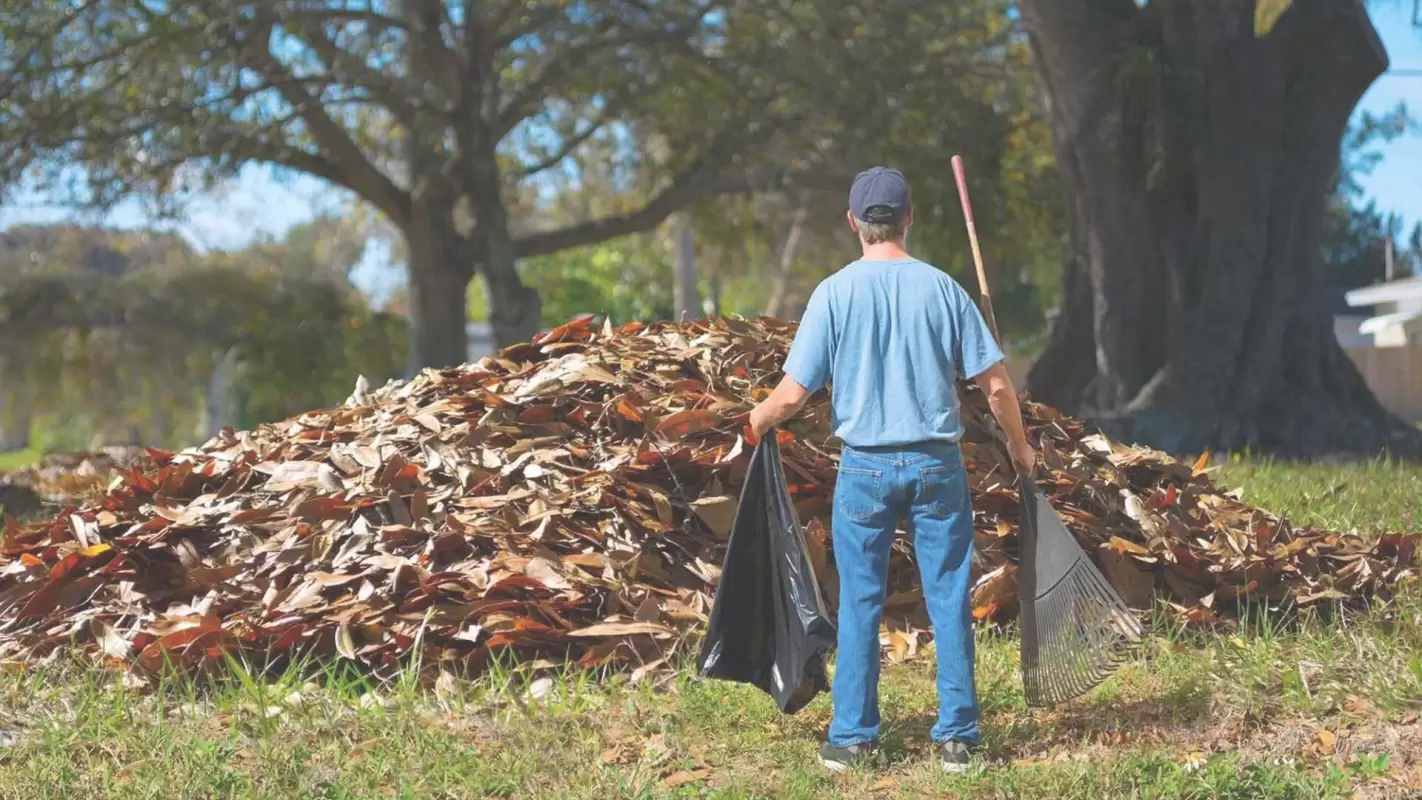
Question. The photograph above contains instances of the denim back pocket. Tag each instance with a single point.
(942, 490)
(856, 494)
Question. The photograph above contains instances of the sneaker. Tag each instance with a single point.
(839, 759)
(957, 755)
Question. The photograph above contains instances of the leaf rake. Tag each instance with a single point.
(1075, 629)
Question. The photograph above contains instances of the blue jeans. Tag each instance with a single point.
(928, 486)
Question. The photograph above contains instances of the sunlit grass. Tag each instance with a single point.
(18, 459)
(1367, 496)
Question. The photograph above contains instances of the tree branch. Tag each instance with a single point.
(382, 87)
(359, 174)
(561, 64)
(443, 67)
(575, 140)
(283, 155)
(694, 181)
(539, 17)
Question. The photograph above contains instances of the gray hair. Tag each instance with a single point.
(879, 232)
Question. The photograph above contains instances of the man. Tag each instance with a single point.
(892, 333)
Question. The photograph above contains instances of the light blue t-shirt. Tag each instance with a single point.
(891, 336)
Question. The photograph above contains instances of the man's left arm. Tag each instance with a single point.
(782, 404)
(807, 367)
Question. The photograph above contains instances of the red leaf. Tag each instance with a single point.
(198, 637)
(533, 415)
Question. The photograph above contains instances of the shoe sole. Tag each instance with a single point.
(955, 769)
(834, 766)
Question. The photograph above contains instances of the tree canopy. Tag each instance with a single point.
(118, 330)
(456, 118)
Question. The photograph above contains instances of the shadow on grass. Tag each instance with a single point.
(1177, 713)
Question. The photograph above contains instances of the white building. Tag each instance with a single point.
(1397, 309)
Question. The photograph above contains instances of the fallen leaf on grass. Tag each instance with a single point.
(682, 778)
(1327, 740)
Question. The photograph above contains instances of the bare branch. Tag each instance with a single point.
(559, 65)
(609, 111)
(692, 182)
(384, 88)
(359, 174)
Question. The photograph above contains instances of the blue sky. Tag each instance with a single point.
(1396, 183)
(260, 204)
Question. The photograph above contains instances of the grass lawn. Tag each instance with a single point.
(1313, 709)
(16, 459)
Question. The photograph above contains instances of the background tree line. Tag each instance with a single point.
(1164, 205)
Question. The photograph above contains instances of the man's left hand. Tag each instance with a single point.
(782, 404)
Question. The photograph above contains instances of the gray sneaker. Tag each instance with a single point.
(957, 755)
(839, 759)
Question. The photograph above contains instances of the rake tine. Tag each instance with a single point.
(1076, 631)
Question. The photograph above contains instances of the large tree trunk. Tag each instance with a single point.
(439, 270)
(1196, 158)
(515, 310)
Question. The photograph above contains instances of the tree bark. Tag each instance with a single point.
(1196, 159)
(684, 293)
(775, 306)
(439, 272)
(515, 310)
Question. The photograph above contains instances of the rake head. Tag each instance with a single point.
(1076, 630)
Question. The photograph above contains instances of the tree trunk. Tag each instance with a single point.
(714, 286)
(684, 293)
(439, 272)
(15, 408)
(219, 408)
(775, 306)
(1196, 159)
(515, 310)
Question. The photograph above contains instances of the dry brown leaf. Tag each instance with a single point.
(683, 778)
(621, 629)
(719, 513)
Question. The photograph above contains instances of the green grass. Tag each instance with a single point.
(1365, 496)
(16, 459)
(1313, 708)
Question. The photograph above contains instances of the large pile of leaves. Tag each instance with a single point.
(569, 499)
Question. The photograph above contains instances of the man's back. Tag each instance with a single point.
(891, 336)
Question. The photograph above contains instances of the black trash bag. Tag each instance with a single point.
(768, 625)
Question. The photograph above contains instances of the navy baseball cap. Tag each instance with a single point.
(879, 195)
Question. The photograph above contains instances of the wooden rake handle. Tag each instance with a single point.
(983, 288)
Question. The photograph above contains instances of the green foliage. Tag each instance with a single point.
(625, 279)
(968, 89)
(128, 352)
(654, 106)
